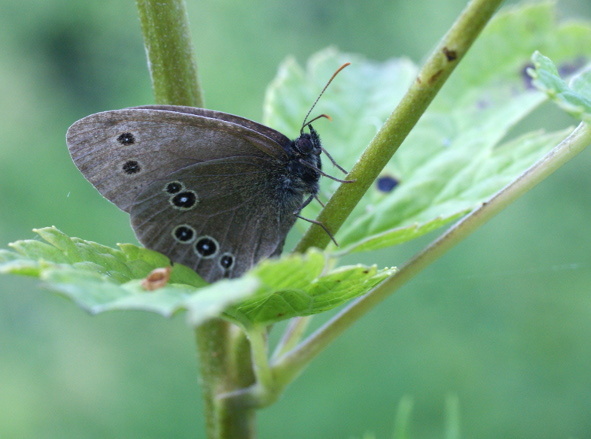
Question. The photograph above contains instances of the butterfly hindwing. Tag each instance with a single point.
(218, 217)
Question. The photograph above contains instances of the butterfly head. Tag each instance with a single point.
(308, 144)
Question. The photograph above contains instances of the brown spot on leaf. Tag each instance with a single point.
(157, 278)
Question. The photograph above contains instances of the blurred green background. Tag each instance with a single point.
(503, 321)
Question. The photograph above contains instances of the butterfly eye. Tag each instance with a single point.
(206, 247)
(304, 144)
(183, 234)
(131, 167)
(184, 200)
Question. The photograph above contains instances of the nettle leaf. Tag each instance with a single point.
(300, 286)
(99, 279)
(574, 98)
(458, 155)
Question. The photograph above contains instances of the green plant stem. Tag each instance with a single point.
(173, 70)
(293, 362)
(292, 335)
(260, 359)
(289, 359)
(220, 374)
(223, 352)
(430, 79)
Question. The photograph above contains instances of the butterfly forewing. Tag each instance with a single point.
(122, 151)
(273, 135)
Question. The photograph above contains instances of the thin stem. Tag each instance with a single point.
(291, 364)
(291, 336)
(431, 78)
(260, 359)
(173, 70)
(429, 81)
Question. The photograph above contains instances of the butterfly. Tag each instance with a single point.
(211, 190)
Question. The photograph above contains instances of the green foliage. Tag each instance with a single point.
(296, 286)
(492, 327)
(574, 98)
(456, 159)
(99, 279)
(403, 419)
(459, 155)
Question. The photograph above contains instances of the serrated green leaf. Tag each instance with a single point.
(39, 250)
(287, 290)
(100, 278)
(291, 271)
(207, 303)
(581, 84)
(396, 236)
(574, 99)
(458, 155)
(110, 279)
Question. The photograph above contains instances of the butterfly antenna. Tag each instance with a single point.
(318, 98)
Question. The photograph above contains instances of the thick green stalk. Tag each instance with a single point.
(224, 355)
(173, 70)
(225, 359)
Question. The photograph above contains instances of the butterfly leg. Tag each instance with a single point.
(319, 200)
(305, 203)
(311, 166)
(318, 223)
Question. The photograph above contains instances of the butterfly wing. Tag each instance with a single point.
(219, 217)
(120, 152)
(273, 135)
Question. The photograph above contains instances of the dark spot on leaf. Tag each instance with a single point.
(386, 183)
(131, 167)
(126, 139)
(482, 104)
(525, 77)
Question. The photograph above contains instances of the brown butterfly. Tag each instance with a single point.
(210, 190)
